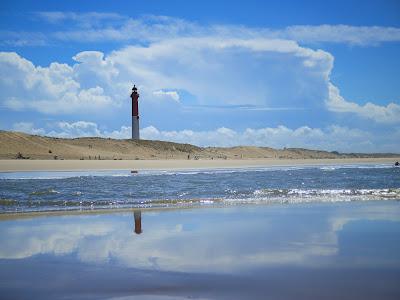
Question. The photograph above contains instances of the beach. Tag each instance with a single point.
(179, 229)
(335, 251)
(13, 165)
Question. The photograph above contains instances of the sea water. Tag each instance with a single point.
(45, 191)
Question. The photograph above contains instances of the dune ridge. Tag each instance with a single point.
(14, 145)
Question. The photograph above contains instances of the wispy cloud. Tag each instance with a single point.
(99, 27)
(22, 38)
(344, 34)
(88, 18)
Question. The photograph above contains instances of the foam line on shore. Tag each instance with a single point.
(96, 165)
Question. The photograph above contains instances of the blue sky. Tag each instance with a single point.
(281, 74)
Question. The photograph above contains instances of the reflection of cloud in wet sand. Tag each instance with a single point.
(189, 241)
(53, 235)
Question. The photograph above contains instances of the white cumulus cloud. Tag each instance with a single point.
(217, 66)
(209, 62)
(49, 90)
(76, 129)
(168, 94)
(382, 114)
(208, 68)
(331, 138)
(28, 127)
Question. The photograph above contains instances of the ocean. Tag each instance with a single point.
(86, 190)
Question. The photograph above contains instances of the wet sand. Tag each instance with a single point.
(308, 251)
(76, 165)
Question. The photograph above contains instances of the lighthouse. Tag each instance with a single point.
(135, 113)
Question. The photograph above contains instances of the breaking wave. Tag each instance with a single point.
(201, 187)
(44, 192)
(324, 195)
(262, 196)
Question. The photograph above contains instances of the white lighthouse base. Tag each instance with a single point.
(135, 128)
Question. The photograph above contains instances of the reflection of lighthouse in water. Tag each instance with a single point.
(138, 221)
(135, 113)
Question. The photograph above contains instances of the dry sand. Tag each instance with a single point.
(38, 153)
(75, 165)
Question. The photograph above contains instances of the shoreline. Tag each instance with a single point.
(14, 165)
(96, 211)
(9, 216)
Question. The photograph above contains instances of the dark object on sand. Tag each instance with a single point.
(20, 156)
(397, 164)
(134, 172)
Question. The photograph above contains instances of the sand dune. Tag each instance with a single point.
(20, 145)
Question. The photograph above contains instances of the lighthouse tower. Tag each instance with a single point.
(135, 113)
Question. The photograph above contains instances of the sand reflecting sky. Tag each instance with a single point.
(227, 253)
(204, 240)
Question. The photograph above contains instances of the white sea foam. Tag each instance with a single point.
(330, 168)
(44, 192)
(321, 195)
(60, 174)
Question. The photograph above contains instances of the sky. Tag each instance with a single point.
(312, 74)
